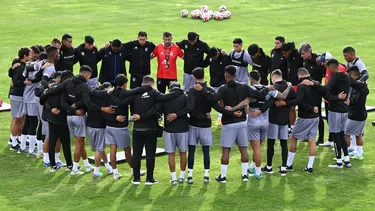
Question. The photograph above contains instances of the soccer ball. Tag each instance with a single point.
(218, 16)
(223, 8)
(196, 13)
(204, 8)
(205, 17)
(184, 13)
(226, 14)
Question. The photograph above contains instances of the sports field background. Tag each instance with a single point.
(327, 25)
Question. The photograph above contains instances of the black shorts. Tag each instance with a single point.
(162, 84)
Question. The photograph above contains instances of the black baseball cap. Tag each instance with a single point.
(89, 39)
(192, 36)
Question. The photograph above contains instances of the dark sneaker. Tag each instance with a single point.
(336, 166)
(221, 179)
(14, 148)
(189, 180)
(151, 182)
(308, 170)
(245, 178)
(267, 170)
(22, 151)
(289, 168)
(53, 169)
(206, 180)
(347, 165)
(282, 173)
(136, 181)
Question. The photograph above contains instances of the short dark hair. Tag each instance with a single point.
(174, 84)
(167, 34)
(116, 43)
(66, 36)
(231, 70)
(105, 85)
(35, 49)
(302, 71)
(280, 38)
(148, 79)
(55, 41)
(43, 56)
(41, 48)
(237, 41)
(198, 73)
(89, 39)
(332, 62)
(85, 68)
(46, 46)
(212, 52)
(354, 69)
(56, 75)
(66, 74)
(254, 75)
(23, 52)
(253, 49)
(120, 80)
(348, 49)
(142, 34)
(277, 72)
(288, 46)
(51, 50)
(192, 36)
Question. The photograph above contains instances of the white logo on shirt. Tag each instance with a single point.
(146, 49)
(145, 95)
(186, 46)
(82, 53)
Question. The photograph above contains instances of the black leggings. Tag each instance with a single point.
(330, 139)
(39, 135)
(340, 143)
(57, 131)
(162, 84)
(31, 123)
(148, 140)
(271, 151)
(321, 125)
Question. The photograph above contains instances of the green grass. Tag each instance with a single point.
(328, 25)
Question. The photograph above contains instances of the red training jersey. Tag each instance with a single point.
(342, 68)
(167, 56)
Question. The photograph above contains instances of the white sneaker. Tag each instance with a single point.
(357, 157)
(89, 168)
(78, 172)
(116, 176)
(327, 144)
(353, 153)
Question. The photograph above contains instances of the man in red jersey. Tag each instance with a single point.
(167, 54)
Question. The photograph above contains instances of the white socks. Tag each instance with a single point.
(14, 140)
(311, 162)
(75, 166)
(224, 169)
(190, 172)
(252, 165)
(182, 174)
(207, 172)
(46, 157)
(107, 166)
(359, 150)
(115, 171)
(290, 158)
(353, 142)
(39, 145)
(57, 157)
(346, 159)
(87, 164)
(96, 170)
(258, 170)
(32, 140)
(244, 168)
(173, 175)
(23, 142)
